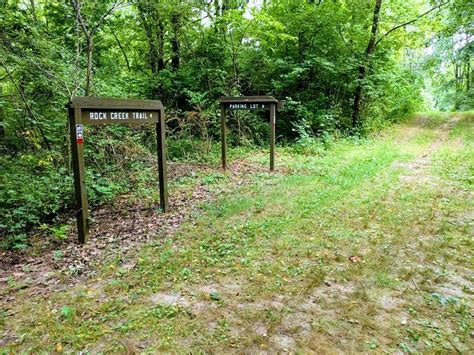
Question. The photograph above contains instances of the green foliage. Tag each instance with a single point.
(449, 67)
(60, 232)
(32, 189)
(37, 187)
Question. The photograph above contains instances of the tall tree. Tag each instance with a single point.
(366, 60)
(153, 22)
(90, 31)
(175, 43)
(371, 46)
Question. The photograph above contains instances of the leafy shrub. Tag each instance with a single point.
(33, 189)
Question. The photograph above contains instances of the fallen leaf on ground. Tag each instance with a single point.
(355, 258)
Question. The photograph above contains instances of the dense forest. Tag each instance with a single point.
(345, 68)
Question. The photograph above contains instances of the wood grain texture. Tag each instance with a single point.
(89, 102)
(247, 99)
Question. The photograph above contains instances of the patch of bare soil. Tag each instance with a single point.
(459, 284)
(116, 230)
(416, 170)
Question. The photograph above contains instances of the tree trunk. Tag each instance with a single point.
(90, 48)
(362, 72)
(33, 9)
(175, 45)
(456, 85)
(122, 49)
(160, 36)
(468, 74)
(89, 32)
(216, 9)
(154, 30)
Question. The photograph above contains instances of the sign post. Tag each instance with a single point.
(260, 103)
(99, 111)
(162, 167)
(77, 149)
(272, 136)
(223, 138)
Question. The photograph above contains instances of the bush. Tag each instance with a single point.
(33, 190)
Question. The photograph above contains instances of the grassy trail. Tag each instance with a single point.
(365, 247)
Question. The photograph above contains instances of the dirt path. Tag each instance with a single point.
(301, 315)
(417, 169)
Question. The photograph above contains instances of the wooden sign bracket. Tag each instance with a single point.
(265, 103)
(100, 111)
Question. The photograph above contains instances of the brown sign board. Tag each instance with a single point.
(89, 102)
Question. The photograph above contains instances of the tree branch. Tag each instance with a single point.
(349, 47)
(114, 7)
(77, 7)
(120, 45)
(8, 75)
(25, 102)
(89, 33)
(410, 22)
(55, 80)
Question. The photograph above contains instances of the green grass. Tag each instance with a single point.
(278, 253)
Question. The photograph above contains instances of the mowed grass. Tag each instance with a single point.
(361, 247)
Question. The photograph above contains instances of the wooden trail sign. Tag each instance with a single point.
(98, 111)
(264, 103)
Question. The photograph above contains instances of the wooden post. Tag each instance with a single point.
(223, 138)
(162, 170)
(272, 135)
(77, 149)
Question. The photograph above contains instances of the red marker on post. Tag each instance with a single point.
(79, 134)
